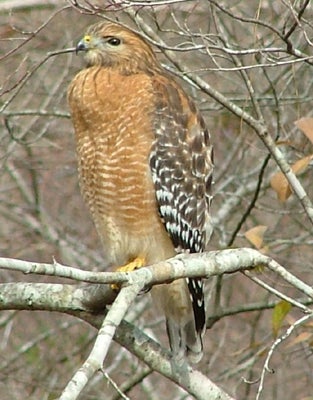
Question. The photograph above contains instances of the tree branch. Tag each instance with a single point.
(105, 335)
(203, 265)
(71, 299)
(258, 126)
(276, 343)
(76, 301)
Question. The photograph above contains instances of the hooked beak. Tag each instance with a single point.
(81, 46)
(84, 44)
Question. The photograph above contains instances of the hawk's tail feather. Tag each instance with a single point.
(185, 341)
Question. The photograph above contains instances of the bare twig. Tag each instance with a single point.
(24, 79)
(258, 126)
(101, 346)
(277, 342)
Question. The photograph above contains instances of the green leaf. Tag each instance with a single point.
(279, 314)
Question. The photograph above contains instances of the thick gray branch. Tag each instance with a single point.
(71, 299)
(188, 265)
(78, 300)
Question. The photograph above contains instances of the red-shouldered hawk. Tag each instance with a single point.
(145, 165)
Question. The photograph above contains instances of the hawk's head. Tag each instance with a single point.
(113, 46)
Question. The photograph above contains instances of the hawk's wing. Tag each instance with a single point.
(182, 165)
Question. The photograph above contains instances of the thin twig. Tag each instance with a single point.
(276, 343)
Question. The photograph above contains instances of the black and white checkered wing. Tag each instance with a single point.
(182, 165)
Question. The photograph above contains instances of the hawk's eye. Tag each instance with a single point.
(114, 41)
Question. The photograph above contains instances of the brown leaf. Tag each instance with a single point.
(279, 182)
(301, 165)
(281, 186)
(264, 249)
(302, 337)
(306, 126)
(255, 235)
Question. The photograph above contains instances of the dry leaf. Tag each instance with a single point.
(281, 186)
(302, 337)
(264, 249)
(255, 235)
(302, 164)
(279, 182)
(306, 126)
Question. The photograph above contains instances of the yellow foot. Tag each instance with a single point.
(135, 264)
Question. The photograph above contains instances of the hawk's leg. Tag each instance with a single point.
(138, 262)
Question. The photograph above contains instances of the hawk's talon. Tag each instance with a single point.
(132, 266)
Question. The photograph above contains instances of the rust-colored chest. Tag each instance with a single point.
(112, 119)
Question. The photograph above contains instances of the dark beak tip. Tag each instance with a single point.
(80, 47)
